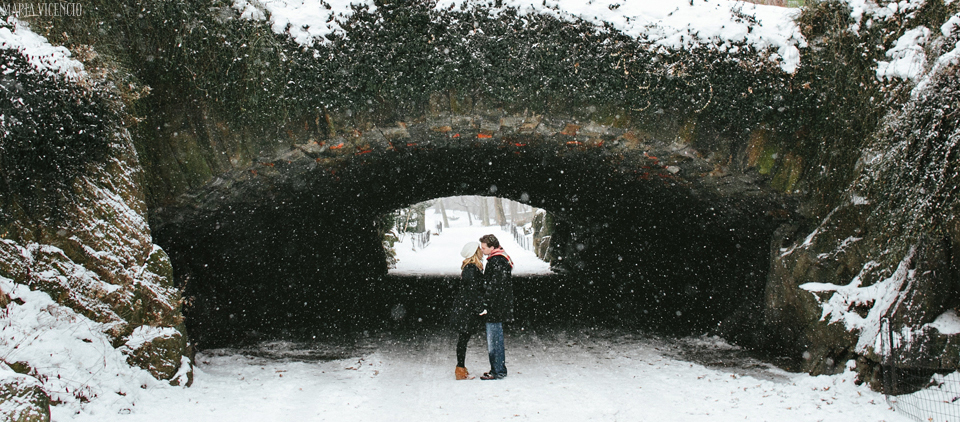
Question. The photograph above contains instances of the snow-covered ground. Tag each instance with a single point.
(555, 375)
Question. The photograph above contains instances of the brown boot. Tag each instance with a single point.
(462, 374)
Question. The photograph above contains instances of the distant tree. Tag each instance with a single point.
(443, 212)
(498, 210)
(462, 201)
(484, 211)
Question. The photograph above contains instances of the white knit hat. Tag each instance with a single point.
(469, 249)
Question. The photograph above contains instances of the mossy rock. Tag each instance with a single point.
(788, 173)
(159, 350)
(830, 348)
(12, 261)
(159, 263)
(932, 349)
(21, 367)
(22, 399)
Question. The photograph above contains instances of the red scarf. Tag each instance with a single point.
(500, 252)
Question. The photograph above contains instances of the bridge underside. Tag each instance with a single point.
(295, 242)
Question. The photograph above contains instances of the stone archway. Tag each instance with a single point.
(295, 235)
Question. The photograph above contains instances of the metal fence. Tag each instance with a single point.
(519, 235)
(923, 391)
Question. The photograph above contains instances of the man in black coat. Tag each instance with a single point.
(498, 303)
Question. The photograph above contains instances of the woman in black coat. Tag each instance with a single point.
(467, 303)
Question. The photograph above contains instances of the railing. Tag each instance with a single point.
(420, 240)
(524, 240)
(923, 392)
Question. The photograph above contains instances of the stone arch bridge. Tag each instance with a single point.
(649, 227)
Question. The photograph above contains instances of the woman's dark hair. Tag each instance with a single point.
(490, 240)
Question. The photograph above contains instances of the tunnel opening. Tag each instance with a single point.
(306, 256)
(426, 237)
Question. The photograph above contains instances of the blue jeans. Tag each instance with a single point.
(495, 349)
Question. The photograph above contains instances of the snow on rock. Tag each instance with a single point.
(951, 25)
(878, 297)
(949, 58)
(671, 24)
(908, 56)
(22, 397)
(79, 279)
(66, 352)
(808, 241)
(146, 334)
(16, 35)
(908, 59)
(101, 261)
(160, 351)
(947, 323)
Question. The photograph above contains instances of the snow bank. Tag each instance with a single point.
(562, 376)
(68, 353)
(672, 24)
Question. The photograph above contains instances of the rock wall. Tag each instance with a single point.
(76, 247)
(101, 263)
(878, 274)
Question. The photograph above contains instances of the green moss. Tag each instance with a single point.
(788, 174)
(193, 163)
(837, 102)
(767, 159)
(24, 401)
(160, 356)
(21, 367)
(159, 263)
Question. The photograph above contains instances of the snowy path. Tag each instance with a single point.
(573, 375)
(555, 375)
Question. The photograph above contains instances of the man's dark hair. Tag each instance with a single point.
(490, 240)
